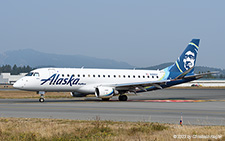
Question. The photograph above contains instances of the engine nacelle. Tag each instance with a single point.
(76, 94)
(104, 92)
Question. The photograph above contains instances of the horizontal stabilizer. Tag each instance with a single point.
(197, 76)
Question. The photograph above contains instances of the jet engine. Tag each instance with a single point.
(104, 92)
(76, 94)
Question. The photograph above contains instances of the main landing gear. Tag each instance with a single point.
(105, 99)
(123, 98)
(42, 97)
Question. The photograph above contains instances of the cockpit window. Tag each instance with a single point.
(33, 74)
(29, 74)
(36, 74)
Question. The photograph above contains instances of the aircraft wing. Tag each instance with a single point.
(141, 85)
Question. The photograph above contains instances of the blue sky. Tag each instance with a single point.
(141, 33)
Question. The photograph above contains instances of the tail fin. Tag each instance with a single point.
(186, 61)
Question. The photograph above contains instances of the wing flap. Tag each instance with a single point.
(141, 84)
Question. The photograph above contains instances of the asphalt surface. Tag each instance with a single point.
(196, 106)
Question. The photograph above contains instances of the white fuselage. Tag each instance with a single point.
(83, 80)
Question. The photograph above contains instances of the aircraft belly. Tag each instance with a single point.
(62, 88)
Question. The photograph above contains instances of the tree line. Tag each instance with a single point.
(15, 70)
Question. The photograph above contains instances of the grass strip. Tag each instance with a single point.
(34, 129)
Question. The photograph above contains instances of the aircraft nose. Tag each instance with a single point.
(18, 84)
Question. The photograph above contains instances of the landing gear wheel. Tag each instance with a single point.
(105, 99)
(41, 100)
(123, 98)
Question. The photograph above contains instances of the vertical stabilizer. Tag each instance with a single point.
(187, 59)
(185, 62)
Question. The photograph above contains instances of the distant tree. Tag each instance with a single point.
(15, 70)
(6, 68)
(28, 68)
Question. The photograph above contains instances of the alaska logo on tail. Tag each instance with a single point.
(186, 62)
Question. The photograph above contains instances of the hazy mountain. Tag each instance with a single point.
(160, 66)
(196, 70)
(40, 59)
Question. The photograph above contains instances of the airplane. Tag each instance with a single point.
(106, 83)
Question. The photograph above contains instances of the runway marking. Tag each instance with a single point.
(179, 101)
(164, 100)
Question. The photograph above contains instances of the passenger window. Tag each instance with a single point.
(152, 76)
(128, 76)
(124, 76)
(98, 75)
(157, 76)
(139, 76)
(62, 75)
(78, 75)
(73, 75)
(103, 75)
(119, 76)
(133, 76)
(68, 75)
(93, 75)
(83, 75)
(114, 76)
(143, 76)
(108, 75)
(148, 76)
(89, 75)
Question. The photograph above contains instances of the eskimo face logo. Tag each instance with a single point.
(189, 60)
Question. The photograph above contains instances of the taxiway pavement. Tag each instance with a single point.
(196, 106)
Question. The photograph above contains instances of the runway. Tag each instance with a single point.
(202, 107)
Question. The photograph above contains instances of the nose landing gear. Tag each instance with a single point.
(42, 97)
(41, 100)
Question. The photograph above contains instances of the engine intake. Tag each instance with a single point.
(104, 92)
